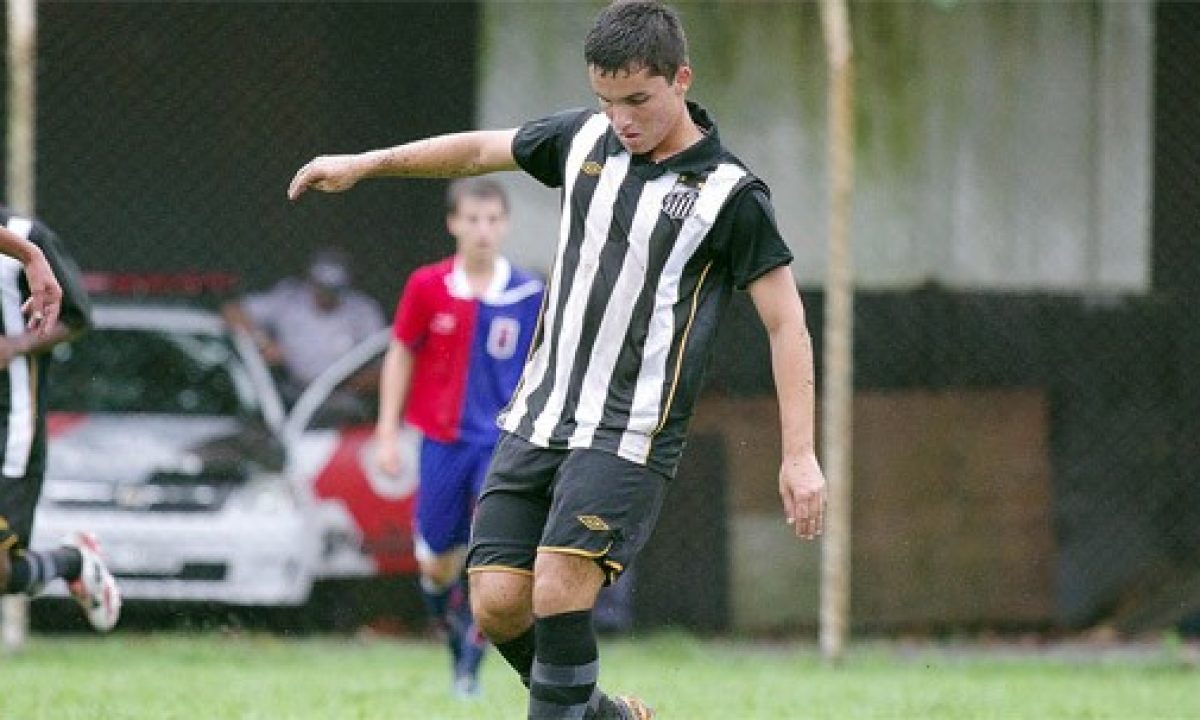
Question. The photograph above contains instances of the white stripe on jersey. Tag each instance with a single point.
(646, 412)
(19, 443)
(512, 296)
(614, 326)
(536, 366)
(595, 235)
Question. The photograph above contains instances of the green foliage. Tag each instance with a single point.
(266, 678)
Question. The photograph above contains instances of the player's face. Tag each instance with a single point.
(479, 226)
(644, 109)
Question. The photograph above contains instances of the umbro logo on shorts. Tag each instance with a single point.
(593, 522)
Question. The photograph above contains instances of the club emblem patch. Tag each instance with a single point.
(502, 337)
(680, 202)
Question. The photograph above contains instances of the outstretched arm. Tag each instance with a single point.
(801, 481)
(444, 156)
(45, 294)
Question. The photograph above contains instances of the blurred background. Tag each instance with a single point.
(1026, 226)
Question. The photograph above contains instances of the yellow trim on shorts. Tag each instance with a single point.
(575, 551)
(613, 564)
(583, 553)
(7, 544)
(607, 565)
(500, 568)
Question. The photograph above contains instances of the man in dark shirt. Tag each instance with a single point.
(660, 224)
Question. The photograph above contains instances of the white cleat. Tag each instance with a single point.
(95, 589)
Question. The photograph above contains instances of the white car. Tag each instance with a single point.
(168, 440)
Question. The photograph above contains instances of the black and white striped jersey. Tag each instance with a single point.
(22, 407)
(648, 254)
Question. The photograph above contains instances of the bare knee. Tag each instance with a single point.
(564, 583)
(501, 603)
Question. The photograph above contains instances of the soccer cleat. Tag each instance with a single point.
(95, 589)
(630, 708)
(466, 687)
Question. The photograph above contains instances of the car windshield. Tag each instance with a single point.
(148, 371)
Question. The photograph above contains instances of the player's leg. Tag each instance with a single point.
(29, 570)
(603, 511)
(78, 561)
(473, 642)
(508, 523)
(440, 539)
(502, 604)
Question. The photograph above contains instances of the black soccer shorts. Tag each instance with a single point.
(589, 503)
(18, 502)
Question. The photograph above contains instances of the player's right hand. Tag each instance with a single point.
(387, 457)
(327, 173)
(45, 295)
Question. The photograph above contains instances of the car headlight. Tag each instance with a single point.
(270, 495)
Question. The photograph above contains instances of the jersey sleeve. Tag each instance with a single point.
(412, 313)
(76, 304)
(755, 246)
(541, 146)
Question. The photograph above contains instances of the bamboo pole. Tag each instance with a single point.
(21, 150)
(839, 334)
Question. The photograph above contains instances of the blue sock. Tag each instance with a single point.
(437, 603)
(472, 645)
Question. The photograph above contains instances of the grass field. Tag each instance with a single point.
(263, 677)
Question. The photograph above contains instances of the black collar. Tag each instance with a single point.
(695, 158)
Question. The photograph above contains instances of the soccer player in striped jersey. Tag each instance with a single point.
(460, 336)
(22, 417)
(660, 223)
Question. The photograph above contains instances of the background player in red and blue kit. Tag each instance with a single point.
(460, 337)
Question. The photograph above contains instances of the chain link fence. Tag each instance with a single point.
(167, 133)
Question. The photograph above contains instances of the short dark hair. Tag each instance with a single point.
(480, 188)
(631, 35)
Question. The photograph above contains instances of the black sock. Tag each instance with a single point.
(69, 563)
(565, 667)
(29, 570)
(519, 653)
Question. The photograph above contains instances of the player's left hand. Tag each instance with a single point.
(45, 296)
(802, 489)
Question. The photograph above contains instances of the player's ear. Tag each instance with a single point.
(683, 79)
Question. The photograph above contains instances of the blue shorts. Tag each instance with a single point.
(451, 477)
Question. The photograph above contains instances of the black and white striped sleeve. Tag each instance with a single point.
(541, 146)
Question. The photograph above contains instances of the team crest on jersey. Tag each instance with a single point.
(502, 337)
(592, 168)
(680, 202)
(443, 324)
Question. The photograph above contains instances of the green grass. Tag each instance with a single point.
(260, 677)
